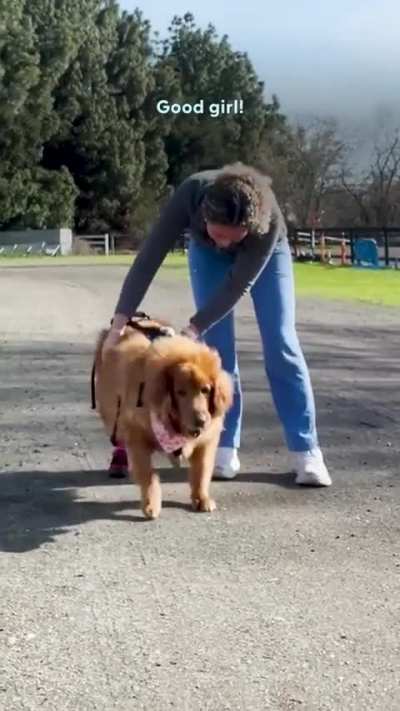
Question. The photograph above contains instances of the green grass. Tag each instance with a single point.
(314, 280)
(346, 283)
(173, 261)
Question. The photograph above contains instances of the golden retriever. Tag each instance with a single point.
(171, 389)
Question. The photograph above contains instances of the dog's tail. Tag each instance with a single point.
(96, 363)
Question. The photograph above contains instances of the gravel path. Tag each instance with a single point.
(283, 599)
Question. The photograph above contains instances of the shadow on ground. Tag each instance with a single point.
(38, 507)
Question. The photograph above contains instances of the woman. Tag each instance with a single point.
(237, 243)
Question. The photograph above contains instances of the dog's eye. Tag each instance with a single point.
(205, 390)
(181, 392)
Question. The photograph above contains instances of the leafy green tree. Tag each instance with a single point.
(37, 41)
(108, 138)
(208, 68)
(81, 141)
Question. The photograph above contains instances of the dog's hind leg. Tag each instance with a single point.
(141, 470)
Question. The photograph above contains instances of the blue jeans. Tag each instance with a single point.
(274, 304)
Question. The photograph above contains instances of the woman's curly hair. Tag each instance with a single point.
(239, 196)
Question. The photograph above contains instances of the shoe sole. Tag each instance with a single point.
(220, 475)
(315, 483)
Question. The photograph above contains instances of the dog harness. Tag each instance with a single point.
(169, 441)
(138, 322)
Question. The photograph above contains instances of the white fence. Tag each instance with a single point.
(50, 242)
(104, 241)
(28, 242)
(30, 250)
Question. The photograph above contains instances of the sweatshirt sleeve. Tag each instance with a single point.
(174, 219)
(249, 262)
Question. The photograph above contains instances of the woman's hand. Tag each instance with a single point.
(118, 324)
(112, 339)
(190, 332)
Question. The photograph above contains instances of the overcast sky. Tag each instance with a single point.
(326, 57)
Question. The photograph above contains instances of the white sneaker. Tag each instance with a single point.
(227, 463)
(310, 468)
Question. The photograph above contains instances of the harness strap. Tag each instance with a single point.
(93, 386)
(138, 315)
(139, 402)
(113, 437)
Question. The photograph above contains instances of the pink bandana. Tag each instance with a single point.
(169, 441)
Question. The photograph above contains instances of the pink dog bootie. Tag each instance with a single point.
(118, 468)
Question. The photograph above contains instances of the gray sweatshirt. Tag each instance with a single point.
(182, 214)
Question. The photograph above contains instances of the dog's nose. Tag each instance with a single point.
(200, 420)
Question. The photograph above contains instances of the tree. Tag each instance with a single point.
(207, 68)
(304, 162)
(19, 73)
(376, 195)
(37, 42)
(80, 136)
(111, 144)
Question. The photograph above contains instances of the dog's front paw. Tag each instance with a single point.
(205, 505)
(151, 500)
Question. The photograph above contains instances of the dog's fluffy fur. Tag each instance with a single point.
(184, 384)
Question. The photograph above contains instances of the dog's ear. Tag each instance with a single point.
(221, 396)
(160, 387)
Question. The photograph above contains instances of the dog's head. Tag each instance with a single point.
(186, 385)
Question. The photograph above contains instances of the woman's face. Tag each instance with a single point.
(225, 235)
